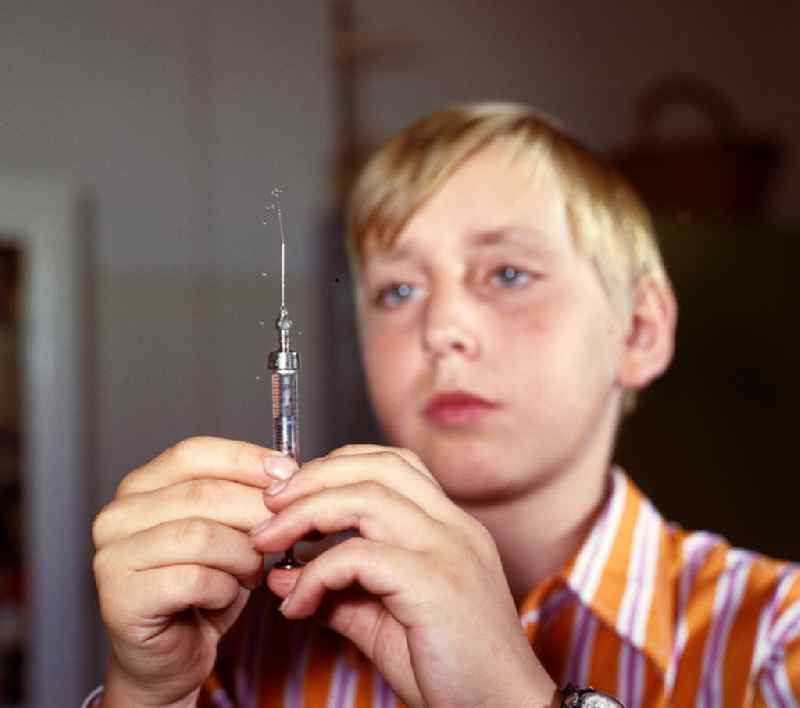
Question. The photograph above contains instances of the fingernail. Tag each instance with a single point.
(287, 601)
(263, 525)
(277, 486)
(279, 466)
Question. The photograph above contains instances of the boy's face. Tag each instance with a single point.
(490, 346)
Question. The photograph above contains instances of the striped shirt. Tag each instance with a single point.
(645, 611)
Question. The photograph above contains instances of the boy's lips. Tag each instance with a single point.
(457, 408)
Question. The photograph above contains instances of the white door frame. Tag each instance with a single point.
(40, 216)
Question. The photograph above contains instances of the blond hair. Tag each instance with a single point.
(610, 224)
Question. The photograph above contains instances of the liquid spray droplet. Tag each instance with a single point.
(261, 323)
(263, 275)
(258, 378)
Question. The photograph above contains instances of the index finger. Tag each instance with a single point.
(385, 466)
(209, 457)
(410, 457)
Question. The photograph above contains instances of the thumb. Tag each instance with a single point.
(351, 613)
(282, 580)
(223, 620)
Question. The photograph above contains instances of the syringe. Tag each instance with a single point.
(285, 364)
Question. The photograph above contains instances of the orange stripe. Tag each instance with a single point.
(698, 614)
(363, 668)
(653, 695)
(792, 665)
(552, 646)
(658, 633)
(611, 588)
(319, 674)
(272, 684)
(278, 636)
(741, 644)
(758, 698)
(211, 684)
(604, 660)
(792, 596)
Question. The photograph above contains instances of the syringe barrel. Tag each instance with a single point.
(285, 413)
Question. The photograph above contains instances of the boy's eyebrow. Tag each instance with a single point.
(522, 236)
(391, 255)
(528, 238)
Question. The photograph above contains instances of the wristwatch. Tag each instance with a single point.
(572, 697)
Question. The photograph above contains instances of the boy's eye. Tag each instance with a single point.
(509, 275)
(395, 294)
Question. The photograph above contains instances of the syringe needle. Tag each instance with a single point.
(276, 192)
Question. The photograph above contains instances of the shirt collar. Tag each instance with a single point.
(622, 572)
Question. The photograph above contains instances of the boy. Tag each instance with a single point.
(511, 300)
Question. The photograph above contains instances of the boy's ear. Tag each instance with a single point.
(650, 340)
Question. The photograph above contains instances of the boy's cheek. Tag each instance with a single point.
(387, 334)
(389, 369)
(385, 364)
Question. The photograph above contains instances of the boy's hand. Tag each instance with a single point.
(423, 595)
(174, 564)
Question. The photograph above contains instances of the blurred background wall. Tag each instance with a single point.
(176, 120)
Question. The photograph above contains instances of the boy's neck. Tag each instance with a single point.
(538, 532)
(537, 535)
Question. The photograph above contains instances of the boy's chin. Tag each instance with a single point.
(477, 493)
(477, 481)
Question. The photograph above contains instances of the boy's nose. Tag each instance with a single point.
(448, 331)
(451, 340)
